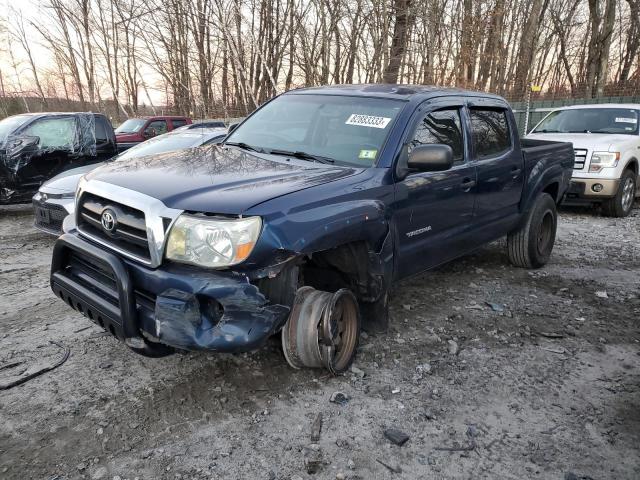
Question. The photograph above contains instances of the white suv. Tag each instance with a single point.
(606, 140)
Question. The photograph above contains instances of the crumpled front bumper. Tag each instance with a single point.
(179, 306)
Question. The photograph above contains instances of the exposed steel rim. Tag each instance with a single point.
(341, 331)
(322, 330)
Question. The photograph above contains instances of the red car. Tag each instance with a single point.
(136, 130)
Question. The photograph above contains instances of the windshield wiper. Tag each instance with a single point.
(245, 146)
(302, 155)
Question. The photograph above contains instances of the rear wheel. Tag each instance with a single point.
(622, 203)
(530, 246)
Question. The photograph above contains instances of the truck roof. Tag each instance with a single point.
(395, 91)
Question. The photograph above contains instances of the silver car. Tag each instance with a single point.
(56, 197)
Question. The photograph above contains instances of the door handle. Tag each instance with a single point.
(515, 171)
(468, 183)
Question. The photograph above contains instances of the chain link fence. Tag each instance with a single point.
(540, 104)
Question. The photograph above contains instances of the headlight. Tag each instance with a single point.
(600, 160)
(208, 242)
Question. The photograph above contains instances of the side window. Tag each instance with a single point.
(441, 126)
(157, 126)
(55, 133)
(490, 131)
(178, 122)
(102, 137)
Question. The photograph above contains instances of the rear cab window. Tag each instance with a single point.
(490, 132)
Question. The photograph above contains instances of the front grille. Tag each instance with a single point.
(581, 158)
(49, 216)
(130, 232)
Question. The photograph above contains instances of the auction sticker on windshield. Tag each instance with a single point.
(626, 120)
(368, 154)
(367, 121)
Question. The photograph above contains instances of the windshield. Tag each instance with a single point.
(10, 124)
(349, 130)
(591, 120)
(167, 143)
(132, 125)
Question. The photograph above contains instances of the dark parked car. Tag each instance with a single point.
(304, 218)
(56, 197)
(37, 146)
(137, 130)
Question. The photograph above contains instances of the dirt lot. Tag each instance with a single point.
(482, 392)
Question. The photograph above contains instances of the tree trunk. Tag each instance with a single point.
(399, 42)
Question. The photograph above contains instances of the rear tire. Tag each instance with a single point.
(622, 204)
(530, 246)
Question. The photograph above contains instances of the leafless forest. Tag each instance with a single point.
(225, 57)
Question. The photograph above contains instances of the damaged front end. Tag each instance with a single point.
(183, 307)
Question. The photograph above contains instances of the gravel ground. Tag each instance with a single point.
(544, 383)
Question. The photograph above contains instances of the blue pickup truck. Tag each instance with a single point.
(303, 219)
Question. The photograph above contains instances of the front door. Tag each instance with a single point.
(56, 149)
(434, 208)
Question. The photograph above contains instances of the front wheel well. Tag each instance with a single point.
(345, 266)
(633, 166)
(351, 266)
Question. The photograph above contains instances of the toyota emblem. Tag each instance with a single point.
(108, 221)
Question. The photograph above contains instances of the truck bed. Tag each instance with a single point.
(546, 156)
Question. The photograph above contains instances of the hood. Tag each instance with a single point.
(127, 137)
(66, 182)
(215, 179)
(591, 141)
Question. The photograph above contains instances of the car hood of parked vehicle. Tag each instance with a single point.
(127, 137)
(606, 142)
(214, 179)
(66, 182)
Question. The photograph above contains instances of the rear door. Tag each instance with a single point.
(433, 208)
(499, 162)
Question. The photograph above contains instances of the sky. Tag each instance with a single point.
(32, 9)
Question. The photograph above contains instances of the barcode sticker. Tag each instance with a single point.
(626, 120)
(367, 121)
(368, 154)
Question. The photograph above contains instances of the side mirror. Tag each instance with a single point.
(431, 158)
(232, 127)
(149, 133)
(23, 144)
